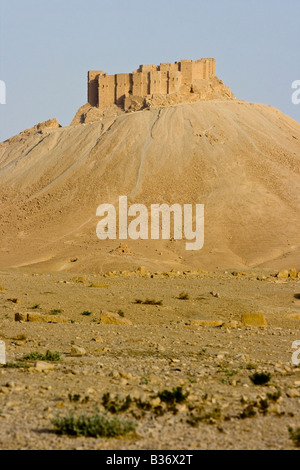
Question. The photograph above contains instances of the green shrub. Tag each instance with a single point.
(94, 426)
(295, 436)
(274, 396)
(76, 399)
(260, 378)
(209, 418)
(49, 356)
(116, 405)
(248, 412)
(173, 397)
(143, 405)
(56, 312)
(16, 365)
(183, 296)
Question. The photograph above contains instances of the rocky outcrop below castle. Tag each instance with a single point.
(40, 128)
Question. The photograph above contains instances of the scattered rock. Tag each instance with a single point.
(200, 323)
(122, 249)
(34, 317)
(80, 279)
(254, 319)
(108, 318)
(142, 271)
(10, 385)
(293, 393)
(22, 317)
(43, 366)
(100, 286)
(233, 324)
(284, 274)
(215, 294)
(50, 124)
(293, 273)
(78, 351)
(126, 273)
(294, 316)
(38, 318)
(155, 402)
(98, 339)
(14, 301)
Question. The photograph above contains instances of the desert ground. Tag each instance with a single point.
(178, 349)
(195, 338)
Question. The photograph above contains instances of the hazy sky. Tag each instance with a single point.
(47, 47)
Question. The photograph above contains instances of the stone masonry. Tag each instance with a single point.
(149, 80)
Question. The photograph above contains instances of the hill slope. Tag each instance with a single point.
(241, 160)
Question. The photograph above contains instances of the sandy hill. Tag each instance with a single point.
(241, 160)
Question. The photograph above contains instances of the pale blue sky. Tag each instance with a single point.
(47, 47)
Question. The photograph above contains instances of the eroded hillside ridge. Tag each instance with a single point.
(240, 160)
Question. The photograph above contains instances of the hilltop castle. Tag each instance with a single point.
(149, 80)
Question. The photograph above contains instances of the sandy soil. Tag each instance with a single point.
(162, 349)
(240, 160)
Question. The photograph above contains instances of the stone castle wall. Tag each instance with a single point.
(106, 90)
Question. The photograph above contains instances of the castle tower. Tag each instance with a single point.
(123, 87)
(106, 90)
(93, 87)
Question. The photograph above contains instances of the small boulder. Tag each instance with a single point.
(200, 323)
(37, 318)
(142, 271)
(21, 317)
(254, 319)
(41, 366)
(294, 316)
(109, 318)
(232, 324)
(293, 273)
(77, 351)
(284, 274)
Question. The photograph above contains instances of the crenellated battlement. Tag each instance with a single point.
(148, 80)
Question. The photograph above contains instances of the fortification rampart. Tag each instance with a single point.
(149, 80)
